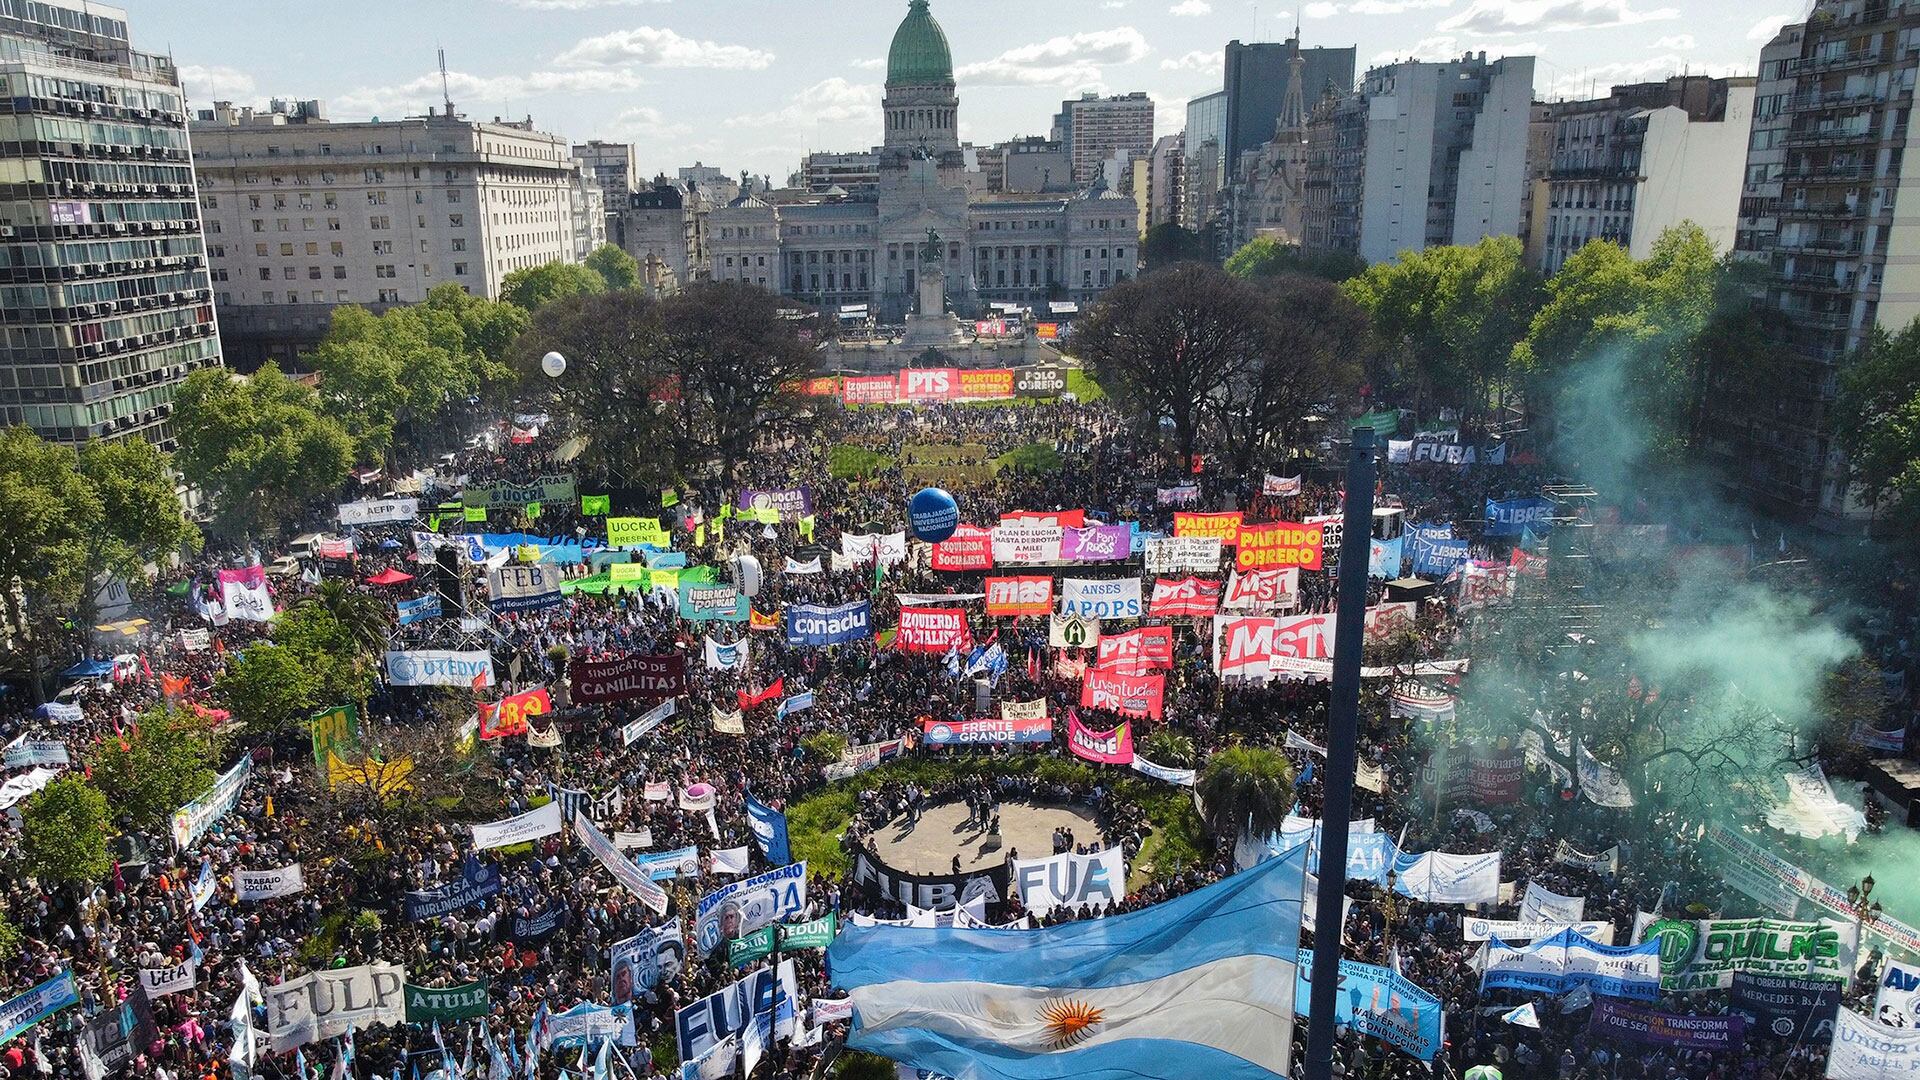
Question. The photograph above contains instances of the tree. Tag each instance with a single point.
(155, 766)
(1450, 317)
(1167, 244)
(1164, 347)
(46, 534)
(535, 287)
(266, 688)
(141, 518)
(1876, 414)
(261, 447)
(64, 832)
(1246, 789)
(335, 653)
(1311, 340)
(615, 388)
(1263, 256)
(739, 364)
(1168, 747)
(858, 1065)
(617, 268)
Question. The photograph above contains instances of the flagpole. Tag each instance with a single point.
(1337, 780)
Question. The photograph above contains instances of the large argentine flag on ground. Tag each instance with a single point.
(1198, 986)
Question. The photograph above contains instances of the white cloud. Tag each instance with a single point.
(1587, 82)
(1197, 60)
(1191, 8)
(1064, 61)
(832, 101)
(577, 5)
(647, 122)
(473, 90)
(659, 47)
(871, 63)
(1764, 30)
(1681, 42)
(1320, 10)
(1529, 16)
(1113, 5)
(216, 83)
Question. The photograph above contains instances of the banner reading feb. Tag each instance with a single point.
(1226, 526)
(1280, 544)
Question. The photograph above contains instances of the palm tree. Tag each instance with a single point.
(1168, 747)
(1246, 788)
(359, 614)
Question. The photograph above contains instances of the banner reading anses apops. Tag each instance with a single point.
(439, 667)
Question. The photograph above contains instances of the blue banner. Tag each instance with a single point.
(796, 703)
(1567, 960)
(1514, 516)
(1379, 1002)
(479, 881)
(1434, 549)
(769, 831)
(811, 624)
(1383, 557)
(21, 1012)
(419, 610)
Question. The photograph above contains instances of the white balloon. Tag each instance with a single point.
(553, 364)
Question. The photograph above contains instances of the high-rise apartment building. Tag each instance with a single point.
(1819, 208)
(304, 215)
(1093, 128)
(1256, 80)
(1336, 168)
(609, 166)
(1205, 151)
(1165, 173)
(1446, 153)
(104, 298)
(1631, 165)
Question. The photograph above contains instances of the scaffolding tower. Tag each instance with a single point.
(1570, 591)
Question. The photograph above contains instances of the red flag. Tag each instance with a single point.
(173, 686)
(778, 688)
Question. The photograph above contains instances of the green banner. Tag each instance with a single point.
(1384, 422)
(596, 505)
(533, 511)
(669, 498)
(476, 513)
(595, 585)
(425, 1004)
(813, 934)
(742, 951)
(627, 531)
(1705, 955)
(335, 731)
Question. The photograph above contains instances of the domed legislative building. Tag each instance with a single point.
(929, 241)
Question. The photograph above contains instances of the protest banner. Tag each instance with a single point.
(1258, 592)
(1248, 647)
(645, 960)
(701, 601)
(1706, 954)
(1113, 747)
(1279, 545)
(1182, 555)
(938, 892)
(1025, 595)
(812, 624)
(742, 907)
(635, 531)
(1557, 964)
(1096, 543)
(1108, 598)
(1620, 1020)
(969, 548)
(986, 732)
(729, 1013)
(1023, 543)
(244, 595)
(379, 511)
(191, 821)
(1193, 524)
(1070, 880)
(1138, 696)
(439, 667)
(479, 881)
(25, 1009)
(790, 504)
(1865, 1050)
(1474, 928)
(1137, 652)
(171, 979)
(622, 678)
(532, 825)
(1188, 596)
(1380, 1002)
(333, 1002)
(432, 1004)
(1072, 632)
(268, 884)
(931, 629)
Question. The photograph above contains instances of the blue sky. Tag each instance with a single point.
(755, 84)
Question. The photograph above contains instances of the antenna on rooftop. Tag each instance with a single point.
(446, 95)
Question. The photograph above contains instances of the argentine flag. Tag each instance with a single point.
(1198, 986)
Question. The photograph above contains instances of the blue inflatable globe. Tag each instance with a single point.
(932, 514)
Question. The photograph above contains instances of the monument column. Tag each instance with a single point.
(933, 277)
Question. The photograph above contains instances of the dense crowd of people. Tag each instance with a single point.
(542, 942)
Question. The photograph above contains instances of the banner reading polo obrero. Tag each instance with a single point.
(439, 667)
(1025, 595)
(1249, 647)
(379, 511)
(243, 594)
(1129, 695)
(191, 821)
(704, 602)
(554, 490)
(1188, 596)
(1182, 554)
(333, 1002)
(523, 587)
(812, 624)
(741, 907)
(791, 504)
(1256, 592)
(1106, 747)
(1024, 543)
(1202, 985)
(1225, 525)
(987, 732)
(1279, 544)
(933, 630)
(636, 675)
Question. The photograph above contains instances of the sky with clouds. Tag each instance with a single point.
(756, 84)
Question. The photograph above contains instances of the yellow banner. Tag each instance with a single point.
(627, 531)
(384, 778)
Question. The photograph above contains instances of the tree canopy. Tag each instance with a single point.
(1263, 256)
(1167, 244)
(1877, 414)
(155, 766)
(617, 268)
(260, 447)
(1245, 788)
(535, 287)
(64, 832)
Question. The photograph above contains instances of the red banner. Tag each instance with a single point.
(623, 677)
(969, 548)
(1136, 652)
(508, 716)
(987, 732)
(1224, 525)
(931, 630)
(1186, 596)
(1028, 594)
(1106, 747)
(927, 384)
(1040, 519)
(775, 689)
(867, 389)
(1280, 544)
(1386, 620)
(1129, 695)
(1258, 591)
(1247, 647)
(984, 385)
(824, 386)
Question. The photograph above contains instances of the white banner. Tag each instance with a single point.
(1515, 931)
(1112, 598)
(1898, 1002)
(1026, 544)
(1607, 862)
(531, 825)
(811, 566)
(268, 884)
(195, 640)
(191, 821)
(1439, 877)
(623, 869)
(728, 657)
(439, 667)
(333, 1002)
(1073, 631)
(729, 722)
(1183, 777)
(379, 511)
(1542, 905)
(633, 841)
(1024, 710)
(161, 981)
(648, 722)
(728, 860)
(1070, 880)
(1602, 784)
(247, 601)
(24, 753)
(1864, 1050)
(1183, 555)
(18, 788)
(523, 586)
(1261, 591)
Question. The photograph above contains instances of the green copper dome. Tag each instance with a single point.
(919, 54)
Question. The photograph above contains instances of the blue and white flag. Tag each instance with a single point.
(796, 703)
(419, 609)
(1525, 1016)
(1199, 986)
(769, 830)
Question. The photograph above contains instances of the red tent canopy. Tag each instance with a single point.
(389, 576)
